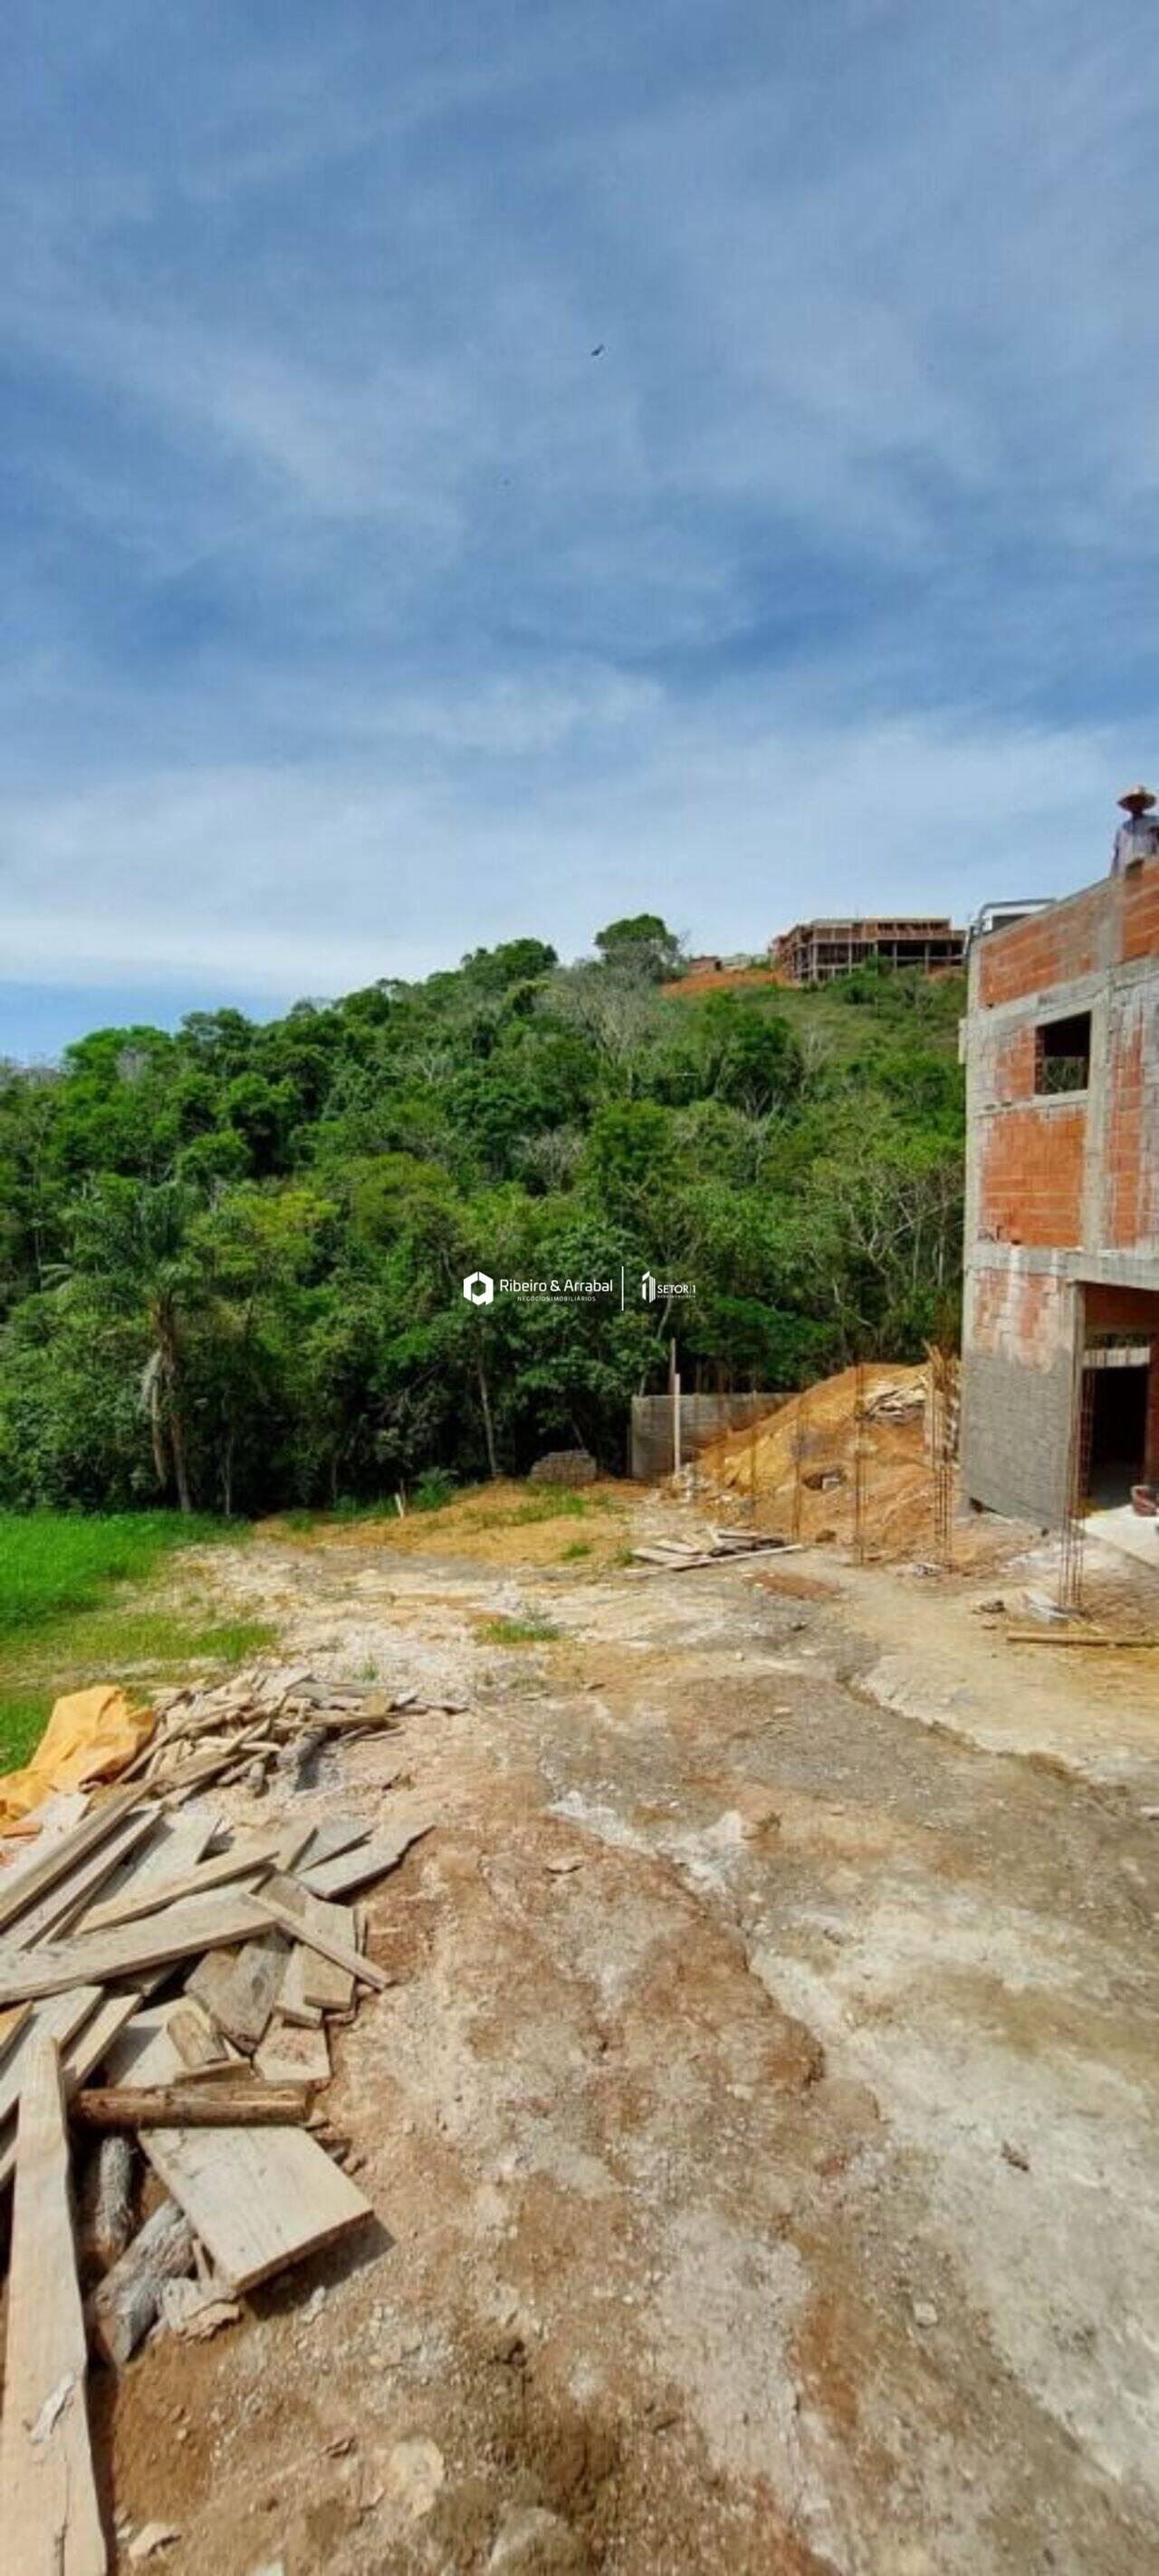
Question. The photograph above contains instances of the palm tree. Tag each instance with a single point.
(132, 1256)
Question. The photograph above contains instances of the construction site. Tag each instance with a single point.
(626, 2040)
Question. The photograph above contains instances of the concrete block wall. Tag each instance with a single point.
(1018, 1391)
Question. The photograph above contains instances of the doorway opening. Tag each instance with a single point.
(1117, 1377)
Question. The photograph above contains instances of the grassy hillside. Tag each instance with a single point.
(231, 1258)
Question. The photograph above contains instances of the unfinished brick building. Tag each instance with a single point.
(815, 952)
(1060, 1391)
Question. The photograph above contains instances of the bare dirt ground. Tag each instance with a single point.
(763, 2126)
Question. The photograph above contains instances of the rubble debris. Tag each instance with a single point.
(152, 2537)
(128, 1955)
(564, 1467)
(196, 2309)
(415, 2471)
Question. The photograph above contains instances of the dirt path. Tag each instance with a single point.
(762, 2129)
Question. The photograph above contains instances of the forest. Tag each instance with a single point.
(231, 1256)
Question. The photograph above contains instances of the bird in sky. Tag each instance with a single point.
(598, 353)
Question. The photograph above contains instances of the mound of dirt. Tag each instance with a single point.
(800, 1464)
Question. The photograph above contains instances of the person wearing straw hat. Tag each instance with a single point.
(1138, 837)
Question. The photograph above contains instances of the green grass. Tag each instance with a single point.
(53, 1562)
(548, 1503)
(576, 1548)
(532, 1631)
(66, 1618)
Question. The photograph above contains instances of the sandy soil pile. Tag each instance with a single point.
(817, 1431)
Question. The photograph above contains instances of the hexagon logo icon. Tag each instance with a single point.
(478, 1288)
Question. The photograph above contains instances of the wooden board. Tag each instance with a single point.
(48, 2499)
(13, 2020)
(175, 1847)
(292, 2004)
(292, 1844)
(336, 1834)
(356, 1868)
(257, 2198)
(290, 2056)
(24, 1845)
(56, 2019)
(290, 1906)
(240, 1988)
(325, 1985)
(180, 1845)
(30, 1884)
(60, 1905)
(171, 2042)
(95, 2038)
(134, 1902)
(81, 2054)
(203, 1923)
(197, 2043)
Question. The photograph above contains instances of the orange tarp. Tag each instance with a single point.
(91, 1735)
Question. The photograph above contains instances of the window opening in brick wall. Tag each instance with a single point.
(1062, 1058)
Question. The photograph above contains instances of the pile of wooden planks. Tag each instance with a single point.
(165, 1992)
(678, 1554)
(265, 1720)
(895, 1403)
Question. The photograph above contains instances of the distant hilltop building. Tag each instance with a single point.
(813, 952)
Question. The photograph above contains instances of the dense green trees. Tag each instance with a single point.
(231, 1258)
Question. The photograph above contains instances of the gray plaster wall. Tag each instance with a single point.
(1016, 1435)
(702, 1418)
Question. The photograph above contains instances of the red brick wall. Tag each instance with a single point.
(1032, 1176)
(1108, 925)
(1141, 912)
(1019, 1314)
(1047, 949)
(1014, 1067)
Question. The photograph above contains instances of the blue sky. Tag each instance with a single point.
(356, 614)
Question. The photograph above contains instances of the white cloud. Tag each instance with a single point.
(733, 829)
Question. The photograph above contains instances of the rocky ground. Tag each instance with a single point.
(763, 2126)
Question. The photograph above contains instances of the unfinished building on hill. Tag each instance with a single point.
(1060, 1390)
(813, 952)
